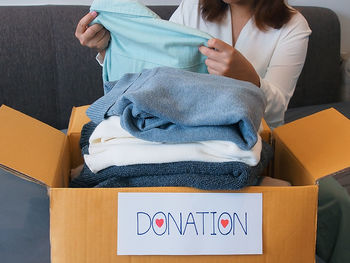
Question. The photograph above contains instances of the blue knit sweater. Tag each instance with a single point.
(177, 106)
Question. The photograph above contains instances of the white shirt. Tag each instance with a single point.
(278, 55)
(110, 145)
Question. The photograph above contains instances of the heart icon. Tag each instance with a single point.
(159, 222)
(224, 222)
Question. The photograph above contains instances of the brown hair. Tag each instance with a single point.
(267, 13)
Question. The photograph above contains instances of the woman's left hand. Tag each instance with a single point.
(224, 60)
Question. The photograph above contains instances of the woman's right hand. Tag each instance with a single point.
(95, 36)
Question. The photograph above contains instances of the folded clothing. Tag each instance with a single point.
(202, 175)
(110, 144)
(177, 106)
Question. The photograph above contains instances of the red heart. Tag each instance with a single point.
(159, 222)
(224, 222)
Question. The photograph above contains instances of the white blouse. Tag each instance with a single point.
(278, 55)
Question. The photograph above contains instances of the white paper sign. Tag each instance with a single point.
(189, 223)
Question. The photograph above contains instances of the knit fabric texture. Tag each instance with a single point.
(177, 106)
(202, 175)
(141, 39)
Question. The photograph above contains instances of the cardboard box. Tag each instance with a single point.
(83, 222)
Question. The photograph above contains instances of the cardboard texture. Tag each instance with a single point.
(318, 144)
(33, 149)
(266, 132)
(83, 222)
(76, 122)
(87, 230)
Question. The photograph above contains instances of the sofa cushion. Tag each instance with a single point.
(319, 82)
(27, 65)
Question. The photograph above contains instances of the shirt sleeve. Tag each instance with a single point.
(284, 69)
(187, 14)
(100, 59)
(178, 15)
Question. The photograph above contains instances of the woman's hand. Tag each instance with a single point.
(95, 36)
(224, 60)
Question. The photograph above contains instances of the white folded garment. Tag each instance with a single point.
(111, 145)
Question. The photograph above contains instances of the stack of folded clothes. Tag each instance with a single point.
(171, 127)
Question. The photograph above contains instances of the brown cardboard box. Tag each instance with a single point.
(83, 222)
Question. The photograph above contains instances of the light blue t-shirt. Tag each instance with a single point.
(140, 39)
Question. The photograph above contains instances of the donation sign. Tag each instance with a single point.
(189, 223)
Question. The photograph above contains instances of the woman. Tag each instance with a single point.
(260, 41)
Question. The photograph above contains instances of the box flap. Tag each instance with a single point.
(32, 149)
(289, 226)
(320, 143)
(77, 120)
(265, 133)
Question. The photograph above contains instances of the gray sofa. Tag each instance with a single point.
(44, 71)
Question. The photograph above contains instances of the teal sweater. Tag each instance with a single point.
(140, 39)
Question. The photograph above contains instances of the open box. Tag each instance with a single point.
(83, 222)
